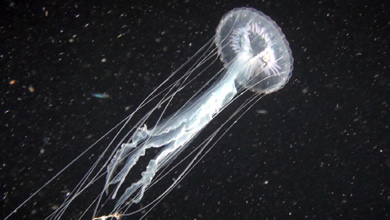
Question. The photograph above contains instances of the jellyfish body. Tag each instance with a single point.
(256, 57)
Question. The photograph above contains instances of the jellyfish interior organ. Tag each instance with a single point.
(256, 57)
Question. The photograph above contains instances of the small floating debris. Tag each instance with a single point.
(31, 89)
(261, 111)
(103, 95)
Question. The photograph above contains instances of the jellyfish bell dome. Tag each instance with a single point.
(252, 43)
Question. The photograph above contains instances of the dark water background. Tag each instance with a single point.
(321, 151)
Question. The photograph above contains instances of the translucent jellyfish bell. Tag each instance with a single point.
(247, 37)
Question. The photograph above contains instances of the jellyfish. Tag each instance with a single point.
(256, 57)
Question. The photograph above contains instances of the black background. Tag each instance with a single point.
(321, 151)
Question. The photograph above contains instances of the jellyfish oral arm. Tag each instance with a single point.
(172, 136)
